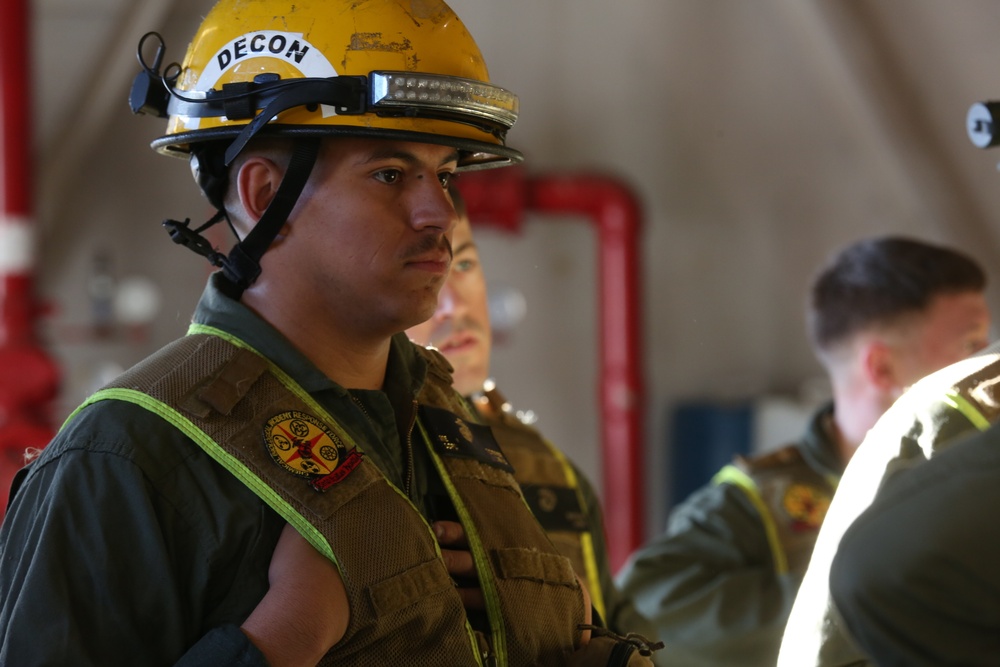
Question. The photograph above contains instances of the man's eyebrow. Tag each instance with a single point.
(468, 245)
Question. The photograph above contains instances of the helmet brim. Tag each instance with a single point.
(473, 155)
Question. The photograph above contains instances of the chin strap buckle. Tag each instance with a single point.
(182, 234)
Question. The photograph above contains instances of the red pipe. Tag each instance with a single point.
(501, 198)
(28, 377)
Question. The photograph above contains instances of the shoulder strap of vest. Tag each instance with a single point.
(437, 389)
(236, 368)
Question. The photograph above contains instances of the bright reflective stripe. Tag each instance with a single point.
(586, 537)
(733, 475)
(957, 401)
(17, 245)
(226, 460)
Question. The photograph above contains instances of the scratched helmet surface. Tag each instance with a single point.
(404, 69)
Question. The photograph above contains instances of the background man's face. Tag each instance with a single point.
(460, 327)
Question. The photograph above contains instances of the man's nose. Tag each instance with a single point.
(432, 207)
(447, 303)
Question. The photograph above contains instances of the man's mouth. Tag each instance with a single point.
(432, 262)
(431, 254)
(457, 342)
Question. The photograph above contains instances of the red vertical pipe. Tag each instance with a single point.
(15, 153)
(615, 213)
(501, 198)
(28, 378)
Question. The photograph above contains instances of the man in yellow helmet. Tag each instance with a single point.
(280, 486)
(559, 494)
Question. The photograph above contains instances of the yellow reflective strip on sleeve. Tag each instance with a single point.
(960, 403)
(736, 477)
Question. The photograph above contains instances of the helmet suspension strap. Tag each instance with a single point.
(242, 267)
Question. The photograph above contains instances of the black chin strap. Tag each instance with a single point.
(242, 267)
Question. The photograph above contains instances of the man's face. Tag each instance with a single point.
(460, 327)
(367, 247)
(953, 327)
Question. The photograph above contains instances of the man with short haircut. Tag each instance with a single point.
(720, 582)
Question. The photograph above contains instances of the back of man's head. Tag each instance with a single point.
(875, 283)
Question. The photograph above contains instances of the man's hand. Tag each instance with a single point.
(305, 611)
(458, 561)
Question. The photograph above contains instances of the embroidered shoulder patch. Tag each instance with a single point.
(806, 506)
(304, 446)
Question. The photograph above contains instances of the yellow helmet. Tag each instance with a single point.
(403, 69)
(305, 69)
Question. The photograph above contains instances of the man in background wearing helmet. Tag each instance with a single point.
(720, 582)
(559, 494)
(279, 486)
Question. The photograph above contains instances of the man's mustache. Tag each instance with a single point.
(428, 244)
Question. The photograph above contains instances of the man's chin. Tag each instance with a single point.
(464, 383)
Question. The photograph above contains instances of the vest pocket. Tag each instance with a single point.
(411, 586)
(546, 568)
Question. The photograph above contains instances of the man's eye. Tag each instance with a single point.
(388, 175)
(445, 179)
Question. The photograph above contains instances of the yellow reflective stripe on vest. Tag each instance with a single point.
(223, 458)
(733, 475)
(479, 557)
(586, 538)
(960, 403)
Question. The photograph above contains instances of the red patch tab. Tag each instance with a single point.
(349, 463)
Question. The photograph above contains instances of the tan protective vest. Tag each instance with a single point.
(550, 487)
(268, 432)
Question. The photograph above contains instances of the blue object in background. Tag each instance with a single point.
(705, 437)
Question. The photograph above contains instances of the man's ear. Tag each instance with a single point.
(257, 182)
(878, 360)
